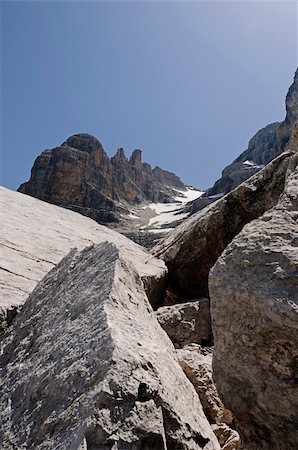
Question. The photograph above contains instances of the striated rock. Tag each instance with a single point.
(186, 323)
(267, 143)
(87, 365)
(196, 361)
(254, 304)
(36, 236)
(80, 176)
(194, 246)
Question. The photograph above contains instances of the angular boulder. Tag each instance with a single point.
(36, 235)
(254, 304)
(186, 323)
(194, 246)
(86, 365)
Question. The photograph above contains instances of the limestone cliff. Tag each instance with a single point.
(79, 175)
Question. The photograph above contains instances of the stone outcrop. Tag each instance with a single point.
(187, 323)
(86, 365)
(254, 304)
(36, 236)
(194, 246)
(262, 148)
(80, 176)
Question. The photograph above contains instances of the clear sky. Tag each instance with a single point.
(189, 83)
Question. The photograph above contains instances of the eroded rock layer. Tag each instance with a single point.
(86, 364)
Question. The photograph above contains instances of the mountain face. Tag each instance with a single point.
(262, 148)
(79, 175)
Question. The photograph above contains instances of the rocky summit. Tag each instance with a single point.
(79, 175)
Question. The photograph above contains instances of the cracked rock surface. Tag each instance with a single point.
(193, 247)
(36, 235)
(86, 365)
(254, 304)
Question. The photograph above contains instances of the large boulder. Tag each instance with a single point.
(254, 304)
(86, 365)
(193, 247)
(36, 235)
(187, 323)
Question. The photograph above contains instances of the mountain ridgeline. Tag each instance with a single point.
(79, 175)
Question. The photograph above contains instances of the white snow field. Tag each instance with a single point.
(158, 217)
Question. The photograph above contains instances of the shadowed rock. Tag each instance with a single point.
(186, 323)
(194, 246)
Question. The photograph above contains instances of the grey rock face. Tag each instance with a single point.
(254, 304)
(186, 323)
(80, 176)
(86, 364)
(35, 236)
(263, 147)
(194, 246)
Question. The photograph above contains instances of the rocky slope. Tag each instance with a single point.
(35, 236)
(72, 377)
(194, 246)
(262, 148)
(254, 300)
(80, 176)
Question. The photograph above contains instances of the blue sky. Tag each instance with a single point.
(189, 83)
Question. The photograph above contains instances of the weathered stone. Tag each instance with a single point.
(254, 304)
(186, 323)
(228, 438)
(196, 361)
(194, 246)
(86, 364)
(80, 176)
(36, 235)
